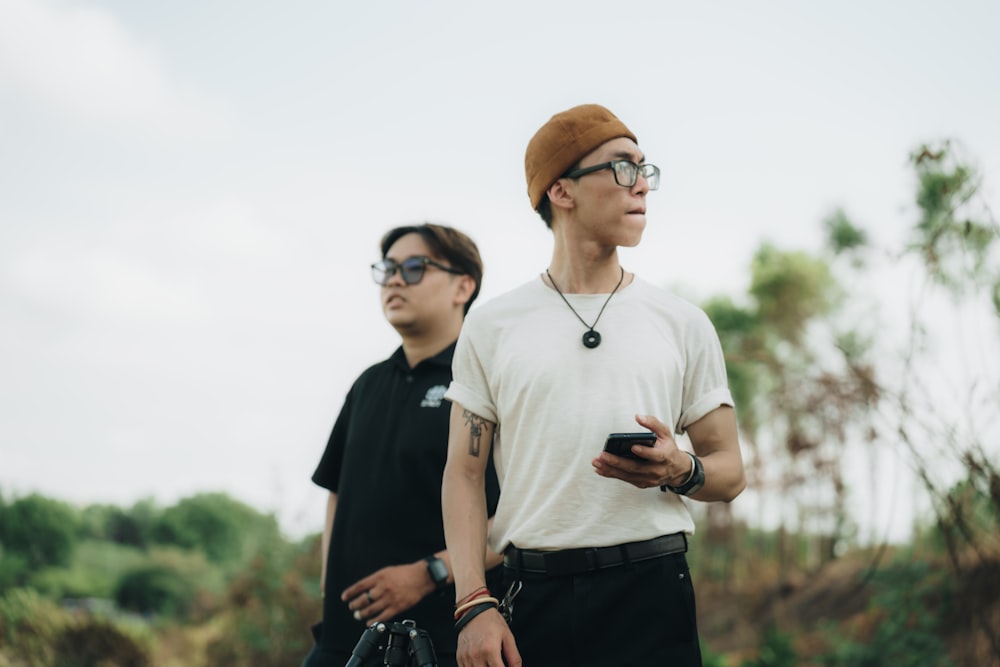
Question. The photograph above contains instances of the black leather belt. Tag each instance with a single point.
(575, 561)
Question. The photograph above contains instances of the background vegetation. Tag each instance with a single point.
(836, 369)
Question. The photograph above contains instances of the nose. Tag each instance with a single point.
(641, 185)
(395, 278)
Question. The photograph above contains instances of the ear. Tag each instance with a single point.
(466, 286)
(561, 194)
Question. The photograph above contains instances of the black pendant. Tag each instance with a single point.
(591, 339)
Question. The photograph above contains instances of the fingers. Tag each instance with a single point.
(368, 605)
(487, 640)
(653, 424)
(358, 588)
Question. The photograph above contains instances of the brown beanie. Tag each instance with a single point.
(561, 142)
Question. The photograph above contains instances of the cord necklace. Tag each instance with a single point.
(591, 338)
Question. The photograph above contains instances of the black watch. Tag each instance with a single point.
(694, 484)
(438, 571)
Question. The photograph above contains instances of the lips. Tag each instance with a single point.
(393, 299)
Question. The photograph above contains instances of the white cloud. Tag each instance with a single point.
(83, 61)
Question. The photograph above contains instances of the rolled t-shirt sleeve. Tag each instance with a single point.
(706, 385)
(470, 386)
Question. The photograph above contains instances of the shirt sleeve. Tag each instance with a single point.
(470, 384)
(706, 385)
(327, 473)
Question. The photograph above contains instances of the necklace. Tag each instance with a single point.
(592, 338)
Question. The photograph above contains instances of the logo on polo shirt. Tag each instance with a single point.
(434, 397)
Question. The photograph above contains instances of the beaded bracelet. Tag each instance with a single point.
(472, 613)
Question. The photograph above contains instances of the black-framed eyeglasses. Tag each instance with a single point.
(626, 172)
(411, 269)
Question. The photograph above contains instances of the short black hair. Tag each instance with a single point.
(447, 244)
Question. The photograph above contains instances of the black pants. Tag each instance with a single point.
(637, 614)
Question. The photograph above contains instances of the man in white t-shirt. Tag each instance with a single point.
(594, 544)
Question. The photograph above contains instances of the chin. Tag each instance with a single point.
(631, 240)
(396, 318)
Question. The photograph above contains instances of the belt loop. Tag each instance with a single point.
(519, 565)
(626, 559)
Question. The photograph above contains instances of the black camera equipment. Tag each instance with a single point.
(402, 644)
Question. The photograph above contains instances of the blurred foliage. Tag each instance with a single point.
(96, 642)
(227, 531)
(155, 589)
(28, 624)
(970, 511)
(39, 530)
(269, 609)
(910, 602)
(710, 658)
(132, 527)
(776, 650)
(842, 236)
(195, 613)
(954, 235)
(790, 289)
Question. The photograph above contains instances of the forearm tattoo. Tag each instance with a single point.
(475, 424)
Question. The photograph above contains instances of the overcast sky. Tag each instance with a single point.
(191, 192)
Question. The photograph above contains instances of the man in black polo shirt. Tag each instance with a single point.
(384, 555)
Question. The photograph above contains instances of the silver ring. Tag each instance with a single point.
(368, 594)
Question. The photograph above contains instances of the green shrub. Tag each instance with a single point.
(95, 642)
(156, 588)
(227, 531)
(29, 625)
(14, 570)
(711, 659)
(913, 597)
(776, 650)
(268, 611)
(56, 583)
(40, 530)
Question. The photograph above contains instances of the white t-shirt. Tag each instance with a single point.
(520, 362)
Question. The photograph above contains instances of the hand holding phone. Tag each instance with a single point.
(620, 444)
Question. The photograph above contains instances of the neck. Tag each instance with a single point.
(421, 345)
(579, 276)
(582, 266)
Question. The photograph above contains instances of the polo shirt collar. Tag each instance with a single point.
(441, 359)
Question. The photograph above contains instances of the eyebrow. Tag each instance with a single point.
(626, 155)
(400, 261)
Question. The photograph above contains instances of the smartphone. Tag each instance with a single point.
(620, 444)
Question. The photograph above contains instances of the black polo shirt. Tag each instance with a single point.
(385, 461)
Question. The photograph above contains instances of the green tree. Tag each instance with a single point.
(156, 588)
(798, 395)
(40, 530)
(227, 531)
(132, 526)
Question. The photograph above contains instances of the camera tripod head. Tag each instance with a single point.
(402, 644)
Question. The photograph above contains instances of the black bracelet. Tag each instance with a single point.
(471, 614)
(693, 483)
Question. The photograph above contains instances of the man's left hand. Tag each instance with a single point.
(663, 463)
(387, 593)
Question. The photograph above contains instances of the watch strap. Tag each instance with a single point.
(694, 482)
(438, 571)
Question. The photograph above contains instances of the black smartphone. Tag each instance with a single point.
(620, 444)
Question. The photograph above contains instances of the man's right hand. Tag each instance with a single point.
(487, 642)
